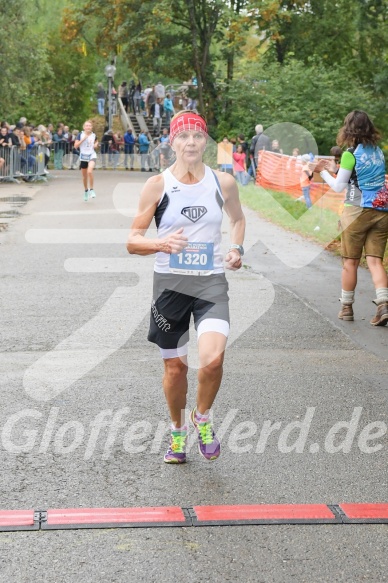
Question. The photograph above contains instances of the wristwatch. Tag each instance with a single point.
(239, 248)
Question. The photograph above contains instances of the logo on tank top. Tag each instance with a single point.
(194, 213)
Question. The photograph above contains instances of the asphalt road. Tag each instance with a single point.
(83, 415)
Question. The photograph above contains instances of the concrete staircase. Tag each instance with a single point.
(140, 123)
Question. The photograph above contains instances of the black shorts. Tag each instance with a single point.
(85, 163)
(176, 297)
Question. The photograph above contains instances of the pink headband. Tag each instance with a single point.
(187, 122)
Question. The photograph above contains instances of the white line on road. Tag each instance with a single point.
(99, 265)
(122, 211)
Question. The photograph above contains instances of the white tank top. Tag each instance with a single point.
(198, 209)
(86, 149)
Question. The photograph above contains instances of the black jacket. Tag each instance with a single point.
(260, 142)
(152, 110)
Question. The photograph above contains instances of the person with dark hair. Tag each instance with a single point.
(131, 95)
(150, 100)
(168, 108)
(100, 99)
(144, 146)
(137, 99)
(334, 165)
(365, 216)
(124, 95)
(157, 111)
(50, 130)
(129, 148)
(239, 165)
(245, 148)
(242, 142)
(59, 147)
(106, 141)
(109, 150)
(5, 139)
(15, 137)
(5, 147)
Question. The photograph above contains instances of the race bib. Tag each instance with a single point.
(195, 259)
(85, 157)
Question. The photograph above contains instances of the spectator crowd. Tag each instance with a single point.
(154, 152)
(153, 101)
(22, 140)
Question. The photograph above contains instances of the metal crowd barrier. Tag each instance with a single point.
(5, 163)
(22, 163)
(120, 160)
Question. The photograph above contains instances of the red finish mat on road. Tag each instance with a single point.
(365, 512)
(265, 513)
(175, 516)
(17, 520)
(101, 517)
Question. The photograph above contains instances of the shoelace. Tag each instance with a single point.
(178, 442)
(206, 432)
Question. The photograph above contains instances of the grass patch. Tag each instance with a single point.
(283, 210)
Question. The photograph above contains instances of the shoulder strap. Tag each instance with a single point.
(218, 185)
(167, 179)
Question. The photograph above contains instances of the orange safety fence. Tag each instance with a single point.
(282, 173)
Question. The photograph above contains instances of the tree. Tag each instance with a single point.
(69, 89)
(236, 23)
(21, 67)
(48, 78)
(353, 33)
(315, 97)
(255, 60)
(168, 36)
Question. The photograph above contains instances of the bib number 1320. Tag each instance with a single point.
(195, 257)
(192, 259)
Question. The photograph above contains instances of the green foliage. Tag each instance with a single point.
(48, 79)
(257, 61)
(70, 89)
(314, 96)
(23, 59)
(142, 32)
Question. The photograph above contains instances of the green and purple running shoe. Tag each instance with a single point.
(176, 453)
(208, 444)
